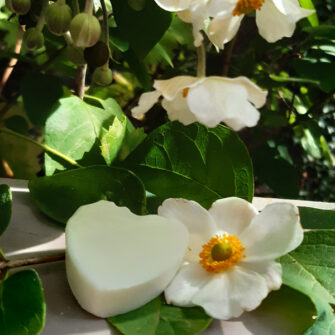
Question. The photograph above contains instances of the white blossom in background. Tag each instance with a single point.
(275, 19)
(230, 264)
(208, 100)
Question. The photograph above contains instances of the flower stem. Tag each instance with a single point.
(41, 19)
(43, 146)
(105, 23)
(80, 80)
(9, 264)
(201, 66)
(75, 7)
(88, 7)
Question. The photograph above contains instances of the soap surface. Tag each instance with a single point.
(117, 261)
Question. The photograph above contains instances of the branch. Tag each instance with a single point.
(80, 80)
(9, 264)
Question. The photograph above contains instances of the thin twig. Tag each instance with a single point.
(105, 22)
(9, 264)
(8, 71)
(80, 80)
(201, 65)
(228, 52)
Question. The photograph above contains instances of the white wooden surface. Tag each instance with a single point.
(32, 233)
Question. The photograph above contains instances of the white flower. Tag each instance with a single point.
(275, 19)
(230, 264)
(208, 100)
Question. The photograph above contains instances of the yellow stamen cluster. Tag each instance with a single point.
(235, 253)
(247, 6)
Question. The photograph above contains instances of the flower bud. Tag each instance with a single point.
(75, 55)
(33, 39)
(97, 55)
(21, 7)
(102, 76)
(85, 30)
(58, 18)
(9, 5)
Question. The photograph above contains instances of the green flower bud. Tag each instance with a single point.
(33, 39)
(9, 5)
(97, 55)
(102, 76)
(85, 30)
(75, 55)
(137, 5)
(21, 7)
(58, 18)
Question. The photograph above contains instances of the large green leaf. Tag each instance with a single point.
(5, 207)
(142, 28)
(193, 162)
(40, 93)
(313, 18)
(21, 155)
(76, 129)
(323, 31)
(157, 318)
(310, 269)
(59, 196)
(22, 306)
(313, 218)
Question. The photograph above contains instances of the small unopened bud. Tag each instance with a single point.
(102, 76)
(21, 7)
(97, 55)
(85, 30)
(58, 18)
(9, 5)
(33, 39)
(75, 55)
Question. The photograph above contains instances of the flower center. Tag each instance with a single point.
(247, 6)
(220, 253)
(185, 92)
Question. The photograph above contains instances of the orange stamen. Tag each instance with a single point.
(247, 6)
(185, 92)
(211, 265)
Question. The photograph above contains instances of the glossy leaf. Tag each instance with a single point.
(152, 22)
(40, 93)
(310, 269)
(313, 218)
(193, 162)
(5, 207)
(59, 196)
(22, 304)
(157, 318)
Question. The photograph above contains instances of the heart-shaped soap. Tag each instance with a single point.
(117, 261)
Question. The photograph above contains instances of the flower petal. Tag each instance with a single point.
(273, 233)
(230, 293)
(174, 5)
(199, 15)
(232, 215)
(216, 99)
(187, 282)
(277, 18)
(171, 87)
(196, 219)
(147, 100)
(178, 110)
(271, 271)
(223, 28)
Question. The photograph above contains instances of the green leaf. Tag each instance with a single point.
(157, 318)
(194, 163)
(310, 269)
(22, 306)
(21, 155)
(5, 207)
(60, 195)
(281, 176)
(313, 218)
(40, 93)
(313, 18)
(323, 31)
(144, 28)
(76, 129)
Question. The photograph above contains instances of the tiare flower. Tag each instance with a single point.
(275, 19)
(230, 264)
(208, 100)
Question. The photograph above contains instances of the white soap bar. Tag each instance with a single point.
(117, 261)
